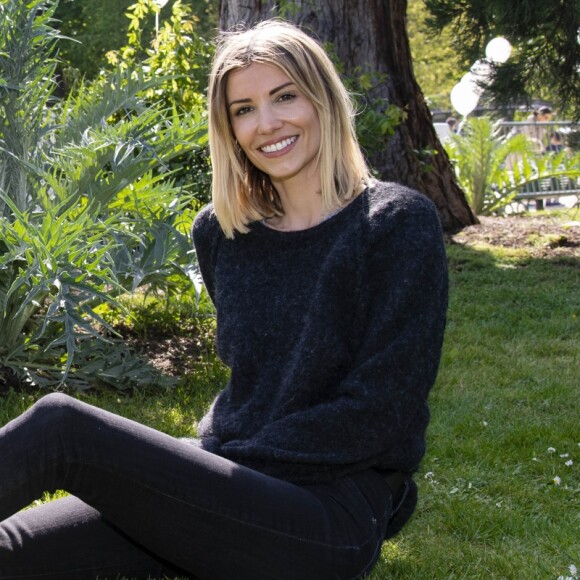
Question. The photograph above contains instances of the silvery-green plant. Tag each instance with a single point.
(89, 210)
(492, 167)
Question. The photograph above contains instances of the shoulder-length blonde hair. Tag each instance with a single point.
(242, 193)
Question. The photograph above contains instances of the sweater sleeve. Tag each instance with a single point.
(205, 233)
(379, 414)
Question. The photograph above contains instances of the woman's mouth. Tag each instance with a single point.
(274, 147)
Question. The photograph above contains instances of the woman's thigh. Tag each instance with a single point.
(200, 512)
(68, 540)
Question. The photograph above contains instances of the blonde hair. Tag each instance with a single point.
(242, 193)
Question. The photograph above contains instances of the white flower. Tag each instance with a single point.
(564, 455)
(573, 569)
(551, 450)
(429, 475)
(569, 463)
(557, 480)
(484, 423)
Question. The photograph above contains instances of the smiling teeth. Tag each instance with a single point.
(278, 146)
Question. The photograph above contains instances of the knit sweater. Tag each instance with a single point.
(333, 336)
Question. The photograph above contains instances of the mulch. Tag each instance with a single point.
(542, 236)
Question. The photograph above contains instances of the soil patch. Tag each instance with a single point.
(542, 236)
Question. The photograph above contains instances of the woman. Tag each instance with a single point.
(330, 292)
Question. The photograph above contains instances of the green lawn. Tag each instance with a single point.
(505, 424)
(499, 484)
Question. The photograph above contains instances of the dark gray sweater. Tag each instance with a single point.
(333, 336)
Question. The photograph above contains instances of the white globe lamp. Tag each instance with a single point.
(498, 50)
(463, 98)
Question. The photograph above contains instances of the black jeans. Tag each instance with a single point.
(144, 504)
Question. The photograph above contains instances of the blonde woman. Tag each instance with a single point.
(330, 290)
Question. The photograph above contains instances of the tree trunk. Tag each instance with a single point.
(371, 36)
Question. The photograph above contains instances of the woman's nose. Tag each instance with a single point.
(268, 120)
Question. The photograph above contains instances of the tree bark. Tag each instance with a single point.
(371, 36)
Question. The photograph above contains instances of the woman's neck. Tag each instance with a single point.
(299, 218)
(301, 204)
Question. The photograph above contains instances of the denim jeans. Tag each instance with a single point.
(144, 504)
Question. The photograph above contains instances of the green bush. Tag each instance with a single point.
(492, 167)
(182, 57)
(90, 208)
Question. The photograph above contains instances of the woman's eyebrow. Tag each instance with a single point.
(272, 92)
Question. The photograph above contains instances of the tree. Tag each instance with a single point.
(370, 37)
(546, 59)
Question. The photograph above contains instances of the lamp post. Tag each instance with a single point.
(160, 4)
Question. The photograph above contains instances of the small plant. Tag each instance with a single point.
(492, 168)
(377, 119)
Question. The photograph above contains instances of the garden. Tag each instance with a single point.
(101, 297)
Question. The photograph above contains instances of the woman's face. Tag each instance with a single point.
(274, 123)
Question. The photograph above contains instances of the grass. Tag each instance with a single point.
(504, 424)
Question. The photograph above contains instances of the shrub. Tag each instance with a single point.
(90, 208)
(182, 57)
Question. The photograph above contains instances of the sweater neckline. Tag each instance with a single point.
(326, 223)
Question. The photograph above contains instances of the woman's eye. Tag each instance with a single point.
(287, 97)
(242, 111)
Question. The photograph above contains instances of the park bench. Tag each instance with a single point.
(550, 188)
(541, 190)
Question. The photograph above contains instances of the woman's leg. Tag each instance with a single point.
(197, 511)
(69, 540)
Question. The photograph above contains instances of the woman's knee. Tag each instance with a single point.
(55, 407)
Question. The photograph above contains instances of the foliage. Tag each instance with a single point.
(492, 167)
(377, 118)
(182, 58)
(91, 210)
(95, 28)
(26, 86)
(546, 58)
(177, 52)
(437, 66)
